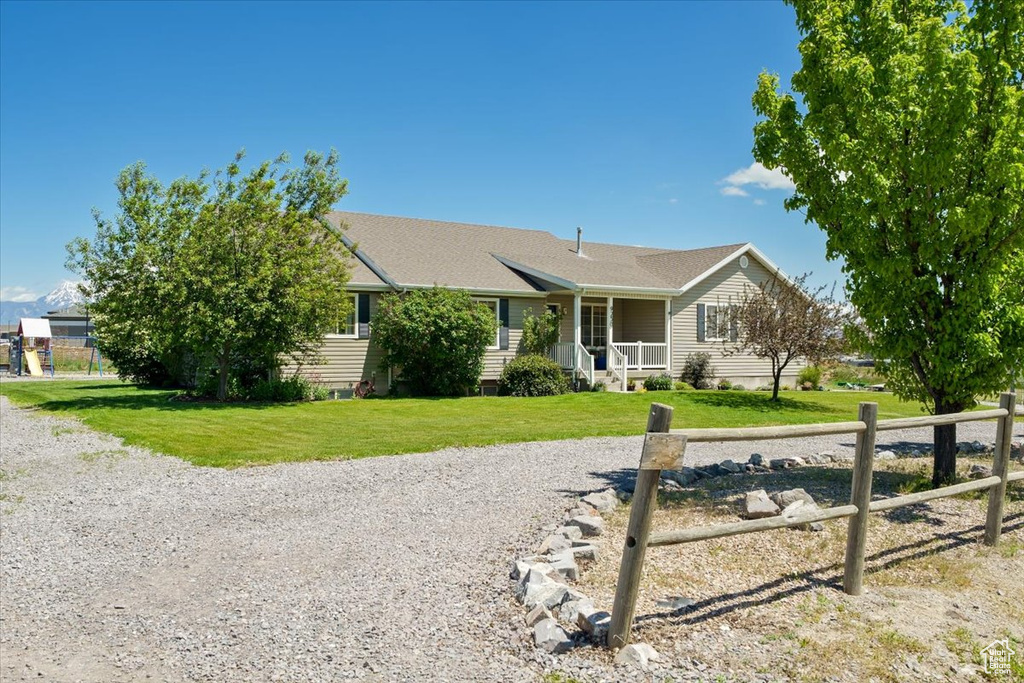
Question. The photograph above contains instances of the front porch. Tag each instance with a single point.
(639, 329)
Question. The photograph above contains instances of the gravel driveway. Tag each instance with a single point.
(120, 565)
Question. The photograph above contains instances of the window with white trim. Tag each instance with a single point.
(717, 322)
(346, 328)
(492, 304)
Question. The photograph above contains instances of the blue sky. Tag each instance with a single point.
(625, 119)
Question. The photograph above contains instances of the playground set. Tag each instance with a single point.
(32, 350)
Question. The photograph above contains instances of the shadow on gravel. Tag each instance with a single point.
(829, 576)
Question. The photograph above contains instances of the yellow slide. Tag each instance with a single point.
(34, 368)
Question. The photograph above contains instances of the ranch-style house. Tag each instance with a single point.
(627, 311)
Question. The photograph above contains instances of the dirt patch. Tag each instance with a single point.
(771, 605)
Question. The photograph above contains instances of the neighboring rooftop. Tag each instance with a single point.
(412, 252)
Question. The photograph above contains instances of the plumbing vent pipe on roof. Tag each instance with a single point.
(579, 241)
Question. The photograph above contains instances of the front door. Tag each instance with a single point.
(594, 328)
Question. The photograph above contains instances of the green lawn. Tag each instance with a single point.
(229, 435)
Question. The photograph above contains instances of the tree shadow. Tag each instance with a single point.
(829, 576)
(746, 400)
(164, 400)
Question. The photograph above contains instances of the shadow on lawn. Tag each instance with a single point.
(762, 402)
(143, 399)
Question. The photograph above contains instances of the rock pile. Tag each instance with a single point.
(759, 504)
(559, 615)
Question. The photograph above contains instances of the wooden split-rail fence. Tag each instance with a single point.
(664, 448)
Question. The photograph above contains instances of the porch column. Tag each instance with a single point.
(668, 336)
(611, 325)
(577, 314)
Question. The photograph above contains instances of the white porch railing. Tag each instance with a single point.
(564, 353)
(617, 366)
(643, 356)
(585, 364)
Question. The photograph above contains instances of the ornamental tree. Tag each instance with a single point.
(436, 338)
(906, 147)
(231, 271)
(783, 321)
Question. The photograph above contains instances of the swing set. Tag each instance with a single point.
(32, 350)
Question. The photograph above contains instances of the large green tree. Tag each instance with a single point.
(905, 140)
(230, 271)
(435, 338)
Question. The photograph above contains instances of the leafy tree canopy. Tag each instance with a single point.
(436, 338)
(231, 270)
(907, 148)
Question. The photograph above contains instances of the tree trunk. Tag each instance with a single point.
(224, 371)
(777, 378)
(944, 463)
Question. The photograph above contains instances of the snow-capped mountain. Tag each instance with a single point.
(64, 296)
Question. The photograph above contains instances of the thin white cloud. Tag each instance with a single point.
(733, 191)
(673, 201)
(18, 294)
(758, 202)
(757, 175)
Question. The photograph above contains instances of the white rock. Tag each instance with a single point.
(602, 502)
(885, 455)
(585, 552)
(573, 533)
(756, 505)
(565, 564)
(568, 612)
(785, 498)
(551, 637)
(593, 623)
(553, 544)
(637, 654)
(588, 525)
(538, 614)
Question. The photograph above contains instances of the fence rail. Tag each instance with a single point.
(664, 448)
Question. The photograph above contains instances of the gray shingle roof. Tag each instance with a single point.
(417, 252)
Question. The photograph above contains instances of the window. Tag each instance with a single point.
(492, 305)
(594, 325)
(347, 327)
(717, 322)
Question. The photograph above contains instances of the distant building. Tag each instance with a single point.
(70, 322)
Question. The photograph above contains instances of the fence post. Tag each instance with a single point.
(1000, 465)
(857, 531)
(645, 498)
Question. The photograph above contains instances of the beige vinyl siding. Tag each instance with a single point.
(346, 361)
(722, 287)
(495, 359)
(639, 320)
(566, 328)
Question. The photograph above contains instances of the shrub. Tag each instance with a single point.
(599, 386)
(698, 371)
(724, 384)
(809, 375)
(532, 375)
(662, 382)
(682, 386)
(437, 338)
(630, 384)
(540, 333)
(288, 390)
(738, 387)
